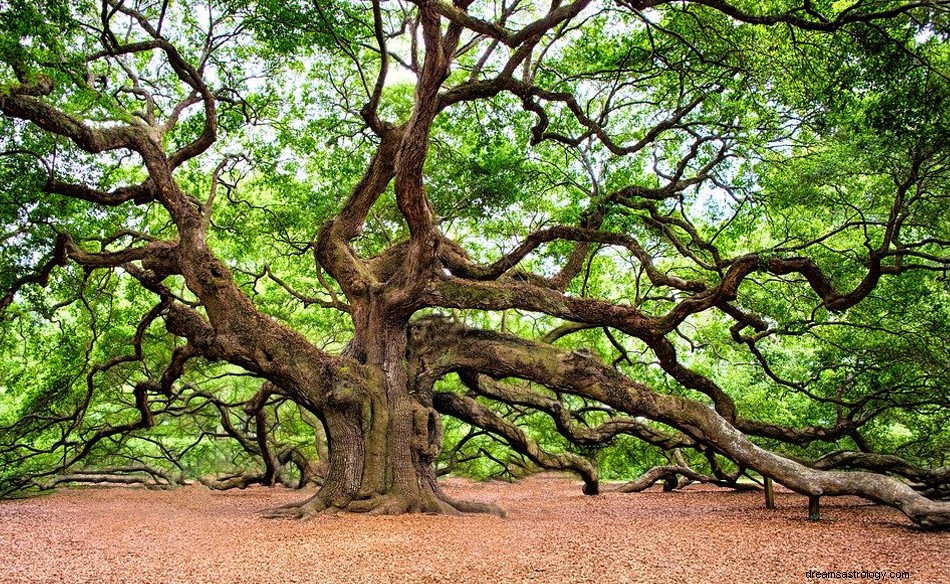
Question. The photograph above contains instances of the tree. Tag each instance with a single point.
(502, 195)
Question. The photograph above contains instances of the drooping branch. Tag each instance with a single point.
(259, 443)
(530, 94)
(582, 435)
(464, 293)
(884, 464)
(470, 411)
(41, 276)
(818, 22)
(443, 347)
(306, 300)
(669, 473)
(150, 477)
(151, 253)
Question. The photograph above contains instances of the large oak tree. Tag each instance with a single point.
(716, 227)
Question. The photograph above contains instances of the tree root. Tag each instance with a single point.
(472, 506)
(436, 503)
(306, 510)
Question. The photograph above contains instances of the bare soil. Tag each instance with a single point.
(552, 533)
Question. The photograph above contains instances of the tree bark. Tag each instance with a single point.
(383, 436)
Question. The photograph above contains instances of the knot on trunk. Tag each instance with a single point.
(427, 433)
(344, 393)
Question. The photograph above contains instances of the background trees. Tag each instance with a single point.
(306, 242)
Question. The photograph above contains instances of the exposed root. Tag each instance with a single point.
(431, 503)
(380, 505)
(437, 503)
(472, 506)
(306, 510)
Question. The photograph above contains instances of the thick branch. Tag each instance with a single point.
(445, 347)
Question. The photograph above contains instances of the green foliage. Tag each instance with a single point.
(37, 32)
(287, 28)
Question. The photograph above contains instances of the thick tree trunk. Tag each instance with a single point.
(382, 437)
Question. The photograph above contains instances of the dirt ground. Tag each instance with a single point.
(552, 534)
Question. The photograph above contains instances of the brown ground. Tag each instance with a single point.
(552, 534)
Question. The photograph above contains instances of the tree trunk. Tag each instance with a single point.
(383, 437)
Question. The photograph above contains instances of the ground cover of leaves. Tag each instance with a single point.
(552, 533)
